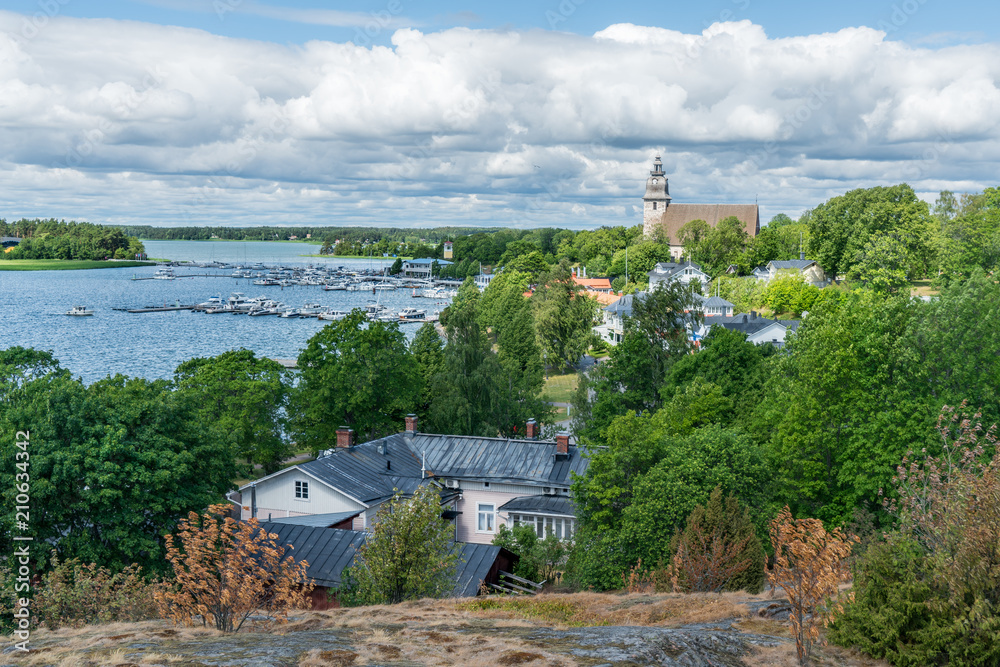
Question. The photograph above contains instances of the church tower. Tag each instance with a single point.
(656, 200)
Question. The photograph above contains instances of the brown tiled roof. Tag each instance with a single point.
(678, 215)
(593, 283)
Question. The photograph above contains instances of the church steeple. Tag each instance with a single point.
(657, 198)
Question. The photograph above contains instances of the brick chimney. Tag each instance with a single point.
(411, 424)
(345, 437)
(531, 430)
(562, 445)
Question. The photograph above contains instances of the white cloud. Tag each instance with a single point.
(132, 122)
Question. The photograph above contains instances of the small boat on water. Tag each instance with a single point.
(412, 315)
(332, 315)
(79, 311)
(164, 274)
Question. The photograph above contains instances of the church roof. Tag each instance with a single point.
(678, 215)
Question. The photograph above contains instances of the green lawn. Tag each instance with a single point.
(64, 264)
(560, 388)
(923, 288)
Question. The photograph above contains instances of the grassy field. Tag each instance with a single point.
(560, 388)
(923, 288)
(64, 264)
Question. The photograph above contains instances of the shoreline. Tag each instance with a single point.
(69, 264)
(384, 259)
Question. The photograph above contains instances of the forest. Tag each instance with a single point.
(57, 239)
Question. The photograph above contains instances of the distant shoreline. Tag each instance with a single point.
(309, 241)
(67, 264)
(358, 257)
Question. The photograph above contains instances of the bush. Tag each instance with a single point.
(538, 560)
(928, 594)
(718, 549)
(77, 594)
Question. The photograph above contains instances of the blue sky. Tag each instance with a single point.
(928, 21)
(394, 112)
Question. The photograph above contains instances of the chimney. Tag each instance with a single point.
(345, 437)
(753, 314)
(531, 432)
(562, 445)
(584, 272)
(802, 254)
(411, 424)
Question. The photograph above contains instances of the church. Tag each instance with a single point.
(658, 212)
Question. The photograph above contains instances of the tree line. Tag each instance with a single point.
(58, 239)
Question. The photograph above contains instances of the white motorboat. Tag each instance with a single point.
(164, 274)
(332, 315)
(412, 314)
(79, 311)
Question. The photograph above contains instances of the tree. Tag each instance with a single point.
(478, 393)
(881, 265)
(244, 398)
(718, 550)
(356, 373)
(809, 564)
(842, 227)
(113, 466)
(409, 553)
(533, 264)
(656, 336)
(225, 570)
(639, 259)
(564, 316)
(427, 350)
(397, 267)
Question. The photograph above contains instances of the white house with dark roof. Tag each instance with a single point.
(686, 273)
(758, 329)
(421, 268)
(808, 268)
(479, 478)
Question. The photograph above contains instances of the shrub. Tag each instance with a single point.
(76, 594)
(226, 570)
(928, 594)
(538, 560)
(718, 549)
(809, 566)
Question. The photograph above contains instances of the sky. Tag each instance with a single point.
(524, 114)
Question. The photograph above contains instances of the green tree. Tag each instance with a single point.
(564, 316)
(533, 264)
(639, 260)
(656, 336)
(478, 393)
(113, 466)
(397, 267)
(356, 373)
(842, 227)
(881, 264)
(408, 554)
(243, 397)
(718, 550)
(427, 349)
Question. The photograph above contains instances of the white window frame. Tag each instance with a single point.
(301, 490)
(490, 517)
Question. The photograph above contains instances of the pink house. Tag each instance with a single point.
(484, 482)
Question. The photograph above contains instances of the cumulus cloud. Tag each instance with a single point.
(124, 121)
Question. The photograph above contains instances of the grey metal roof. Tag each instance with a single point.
(362, 473)
(317, 520)
(623, 306)
(792, 263)
(716, 302)
(542, 504)
(428, 260)
(329, 550)
(326, 550)
(497, 459)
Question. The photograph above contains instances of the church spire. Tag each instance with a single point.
(656, 199)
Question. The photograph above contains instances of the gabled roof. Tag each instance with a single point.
(623, 306)
(672, 268)
(678, 215)
(560, 505)
(797, 264)
(593, 283)
(329, 550)
(716, 302)
(371, 472)
(751, 324)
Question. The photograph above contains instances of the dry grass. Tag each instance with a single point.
(591, 609)
(823, 656)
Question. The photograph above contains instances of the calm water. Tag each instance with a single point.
(151, 345)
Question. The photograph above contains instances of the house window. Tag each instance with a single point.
(654, 205)
(486, 513)
(544, 526)
(302, 490)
